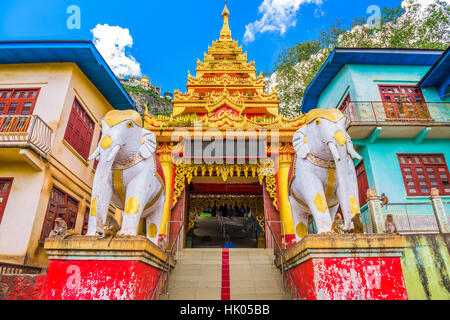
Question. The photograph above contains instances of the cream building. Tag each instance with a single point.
(53, 96)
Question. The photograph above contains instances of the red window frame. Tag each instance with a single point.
(363, 183)
(345, 102)
(403, 102)
(80, 129)
(421, 172)
(60, 205)
(5, 190)
(19, 101)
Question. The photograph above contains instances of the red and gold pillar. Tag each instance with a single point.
(285, 160)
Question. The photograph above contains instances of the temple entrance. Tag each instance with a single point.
(226, 221)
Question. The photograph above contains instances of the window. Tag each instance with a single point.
(18, 101)
(5, 188)
(421, 172)
(62, 206)
(345, 102)
(363, 183)
(80, 130)
(85, 221)
(404, 102)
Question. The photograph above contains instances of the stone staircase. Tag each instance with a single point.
(252, 275)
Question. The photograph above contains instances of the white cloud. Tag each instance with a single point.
(278, 16)
(112, 42)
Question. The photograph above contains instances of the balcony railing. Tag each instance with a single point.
(387, 113)
(25, 131)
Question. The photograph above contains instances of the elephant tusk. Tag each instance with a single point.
(334, 151)
(113, 153)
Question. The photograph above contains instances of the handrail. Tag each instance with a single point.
(283, 263)
(167, 263)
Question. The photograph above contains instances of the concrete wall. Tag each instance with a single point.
(22, 287)
(383, 166)
(426, 267)
(60, 83)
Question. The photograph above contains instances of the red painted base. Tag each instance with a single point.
(350, 279)
(100, 280)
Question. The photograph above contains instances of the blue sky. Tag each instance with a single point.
(169, 36)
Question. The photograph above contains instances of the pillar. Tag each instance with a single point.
(375, 211)
(168, 168)
(439, 211)
(284, 206)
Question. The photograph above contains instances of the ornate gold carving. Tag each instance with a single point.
(263, 170)
(202, 201)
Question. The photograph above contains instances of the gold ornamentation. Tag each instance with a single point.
(340, 137)
(320, 203)
(201, 201)
(321, 162)
(132, 206)
(94, 208)
(152, 230)
(127, 163)
(301, 230)
(106, 142)
(263, 170)
(115, 117)
(354, 205)
(330, 114)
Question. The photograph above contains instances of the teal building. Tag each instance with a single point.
(397, 108)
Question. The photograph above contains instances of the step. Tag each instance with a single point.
(252, 275)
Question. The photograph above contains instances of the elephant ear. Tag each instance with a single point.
(300, 144)
(148, 144)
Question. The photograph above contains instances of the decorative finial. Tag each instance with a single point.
(226, 32)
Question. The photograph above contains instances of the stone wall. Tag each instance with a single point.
(426, 267)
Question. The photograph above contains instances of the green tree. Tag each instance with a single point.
(410, 26)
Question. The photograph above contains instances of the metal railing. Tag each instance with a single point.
(284, 265)
(386, 113)
(409, 218)
(9, 268)
(270, 242)
(166, 267)
(25, 131)
(413, 217)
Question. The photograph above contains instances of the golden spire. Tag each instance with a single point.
(225, 33)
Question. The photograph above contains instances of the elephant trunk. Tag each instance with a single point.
(101, 191)
(344, 185)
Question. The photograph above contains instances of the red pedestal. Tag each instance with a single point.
(348, 267)
(86, 269)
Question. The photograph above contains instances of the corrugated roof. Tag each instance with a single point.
(82, 53)
(439, 75)
(340, 57)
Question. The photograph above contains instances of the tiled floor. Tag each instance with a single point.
(253, 276)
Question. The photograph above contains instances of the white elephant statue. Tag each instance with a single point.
(128, 174)
(323, 175)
